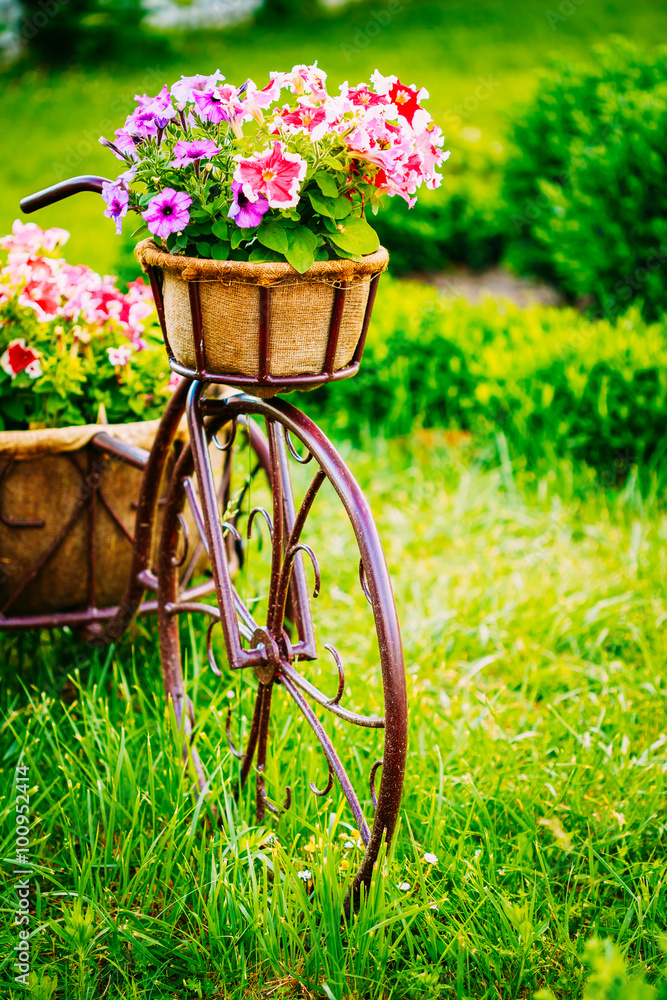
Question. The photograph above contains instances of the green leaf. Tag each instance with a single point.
(274, 236)
(239, 235)
(345, 254)
(261, 255)
(203, 249)
(334, 208)
(142, 229)
(237, 238)
(356, 236)
(220, 251)
(301, 250)
(220, 229)
(326, 184)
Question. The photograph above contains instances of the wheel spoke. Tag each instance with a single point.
(330, 754)
(331, 704)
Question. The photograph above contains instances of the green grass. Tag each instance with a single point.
(53, 122)
(533, 621)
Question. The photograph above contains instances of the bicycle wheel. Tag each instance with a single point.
(266, 612)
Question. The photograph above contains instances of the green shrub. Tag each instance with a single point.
(86, 32)
(551, 380)
(587, 205)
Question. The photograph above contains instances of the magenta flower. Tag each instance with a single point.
(167, 212)
(186, 88)
(220, 105)
(275, 173)
(117, 199)
(188, 152)
(245, 213)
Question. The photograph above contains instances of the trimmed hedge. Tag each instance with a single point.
(586, 192)
(554, 382)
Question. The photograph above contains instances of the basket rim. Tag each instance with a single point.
(248, 272)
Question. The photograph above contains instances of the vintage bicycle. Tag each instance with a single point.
(279, 648)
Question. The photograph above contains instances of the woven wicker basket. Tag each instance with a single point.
(45, 481)
(299, 317)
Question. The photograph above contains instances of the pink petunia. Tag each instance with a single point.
(27, 237)
(274, 173)
(188, 152)
(168, 212)
(119, 356)
(220, 105)
(303, 79)
(184, 90)
(305, 118)
(245, 213)
(19, 358)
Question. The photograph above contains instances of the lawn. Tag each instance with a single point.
(533, 621)
(478, 59)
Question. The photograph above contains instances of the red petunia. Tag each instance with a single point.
(18, 358)
(405, 99)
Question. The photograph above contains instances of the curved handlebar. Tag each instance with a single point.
(64, 189)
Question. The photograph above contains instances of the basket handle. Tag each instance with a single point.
(64, 189)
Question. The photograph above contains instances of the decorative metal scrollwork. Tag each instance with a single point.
(186, 542)
(341, 674)
(294, 453)
(362, 581)
(229, 442)
(371, 781)
(289, 559)
(327, 788)
(251, 517)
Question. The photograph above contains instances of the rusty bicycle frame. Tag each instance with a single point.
(263, 647)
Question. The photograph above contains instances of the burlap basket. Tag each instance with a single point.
(300, 311)
(46, 482)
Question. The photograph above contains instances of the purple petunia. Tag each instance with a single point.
(245, 213)
(185, 89)
(117, 199)
(188, 152)
(167, 212)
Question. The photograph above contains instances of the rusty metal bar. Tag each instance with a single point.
(334, 328)
(330, 754)
(63, 189)
(110, 445)
(156, 279)
(372, 292)
(197, 326)
(264, 331)
(92, 482)
(237, 656)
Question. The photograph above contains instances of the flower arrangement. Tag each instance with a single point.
(72, 345)
(232, 173)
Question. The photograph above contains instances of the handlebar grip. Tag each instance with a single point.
(64, 189)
